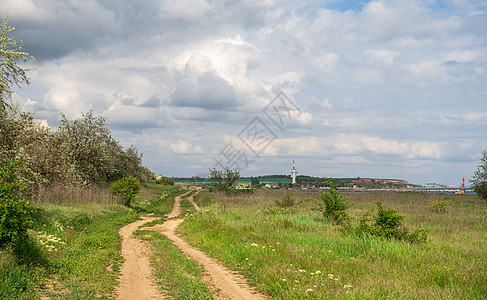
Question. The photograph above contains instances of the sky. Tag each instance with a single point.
(380, 89)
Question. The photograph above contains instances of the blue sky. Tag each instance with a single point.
(385, 89)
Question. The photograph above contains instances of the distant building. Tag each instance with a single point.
(294, 173)
(271, 185)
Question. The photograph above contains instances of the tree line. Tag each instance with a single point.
(78, 152)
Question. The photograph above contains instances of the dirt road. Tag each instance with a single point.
(136, 281)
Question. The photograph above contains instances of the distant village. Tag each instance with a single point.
(303, 182)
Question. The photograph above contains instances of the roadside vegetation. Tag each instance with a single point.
(58, 221)
(295, 252)
(72, 250)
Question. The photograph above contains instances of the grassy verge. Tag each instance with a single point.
(179, 276)
(74, 248)
(295, 254)
(74, 253)
(157, 199)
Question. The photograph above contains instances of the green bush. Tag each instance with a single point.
(388, 224)
(333, 205)
(479, 178)
(287, 201)
(127, 188)
(164, 181)
(440, 206)
(14, 210)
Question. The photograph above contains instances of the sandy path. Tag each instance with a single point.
(227, 284)
(136, 273)
(136, 281)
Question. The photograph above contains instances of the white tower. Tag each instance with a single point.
(294, 173)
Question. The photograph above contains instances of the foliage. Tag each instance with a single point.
(14, 284)
(91, 148)
(10, 73)
(479, 180)
(127, 188)
(164, 181)
(254, 182)
(440, 206)
(14, 210)
(80, 152)
(332, 205)
(225, 179)
(287, 201)
(388, 224)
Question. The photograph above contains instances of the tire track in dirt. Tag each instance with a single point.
(137, 280)
(226, 285)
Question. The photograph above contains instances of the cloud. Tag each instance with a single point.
(206, 91)
(184, 147)
(385, 87)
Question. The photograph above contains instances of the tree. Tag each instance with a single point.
(479, 180)
(91, 148)
(225, 179)
(10, 73)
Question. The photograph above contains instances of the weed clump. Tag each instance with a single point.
(388, 224)
(440, 206)
(286, 201)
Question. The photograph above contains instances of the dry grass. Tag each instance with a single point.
(62, 194)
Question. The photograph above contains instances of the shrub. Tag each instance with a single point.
(287, 201)
(127, 188)
(440, 206)
(479, 179)
(388, 224)
(164, 181)
(333, 205)
(14, 210)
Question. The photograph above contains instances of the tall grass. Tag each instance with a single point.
(73, 250)
(295, 254)
(62, 194)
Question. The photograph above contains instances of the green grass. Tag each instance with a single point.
(74, 254)
(179, 276)
(156, 199)
(289, 253)
(73, 251)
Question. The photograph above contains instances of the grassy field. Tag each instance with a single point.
(74, 246)
(295, 254)
(292, 253)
